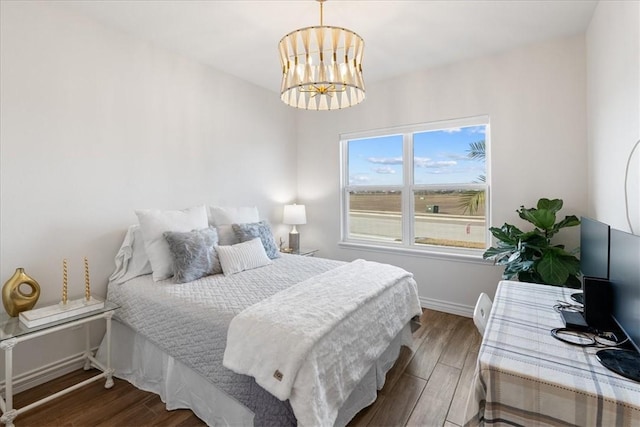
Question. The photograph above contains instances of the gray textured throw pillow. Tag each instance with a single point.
(262, 230)
(194, 254)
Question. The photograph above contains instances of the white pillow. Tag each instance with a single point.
(222, 218)
(243, 256)
(131, 260)
(155, 222)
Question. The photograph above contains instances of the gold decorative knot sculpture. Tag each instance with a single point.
(16, 301)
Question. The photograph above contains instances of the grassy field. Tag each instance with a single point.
(450, 242)
(449, 203)
(428, 203)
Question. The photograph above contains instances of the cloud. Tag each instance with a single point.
(384, 170)
(451, 130)
(385, 160)
(478, 129)
(359, 179)
(422, 162)
(426, 162)
(446, 163)
(457, 156)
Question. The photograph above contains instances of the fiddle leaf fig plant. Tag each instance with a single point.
(530, 256)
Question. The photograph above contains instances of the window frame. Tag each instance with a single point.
(408, 188)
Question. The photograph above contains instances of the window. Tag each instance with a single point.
(421, 187)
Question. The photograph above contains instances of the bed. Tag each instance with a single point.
(171, 338)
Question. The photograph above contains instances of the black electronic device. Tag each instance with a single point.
(578, 297)
(624, 276)
(574, 320)
(594, 251)
(623, 362)
(597, 306)
(597, 303)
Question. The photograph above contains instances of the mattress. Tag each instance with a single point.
(188, 323)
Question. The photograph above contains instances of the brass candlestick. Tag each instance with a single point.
(87, 284)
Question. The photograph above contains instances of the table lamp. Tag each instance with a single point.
(294, 215)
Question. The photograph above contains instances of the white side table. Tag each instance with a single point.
(12, 332)
(300, 252)
(306, 252)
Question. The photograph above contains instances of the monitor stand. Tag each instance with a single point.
(623, 362)
(578, 297)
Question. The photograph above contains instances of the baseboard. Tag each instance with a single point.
(43, 374)
(447, 307)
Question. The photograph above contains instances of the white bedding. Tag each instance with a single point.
(189, 322)
(143, 364)
(314, 342)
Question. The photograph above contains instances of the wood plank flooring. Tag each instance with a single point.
(428, 386)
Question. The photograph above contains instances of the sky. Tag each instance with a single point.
(440, 157)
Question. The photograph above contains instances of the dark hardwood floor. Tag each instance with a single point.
(428, 386)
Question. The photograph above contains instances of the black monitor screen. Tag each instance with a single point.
(594, 248)
(624, 275)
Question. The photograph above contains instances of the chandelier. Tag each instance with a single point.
(322, 67)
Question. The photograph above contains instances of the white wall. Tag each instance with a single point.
(613, 81)
(95, 124)
(536, 99)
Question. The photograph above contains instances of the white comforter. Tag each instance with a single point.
(313, 343)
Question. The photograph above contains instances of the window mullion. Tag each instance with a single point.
(407, 191)
(344, 198)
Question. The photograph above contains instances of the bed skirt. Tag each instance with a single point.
(143, 364)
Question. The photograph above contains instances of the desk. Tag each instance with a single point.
(524, 376)
(13, 332)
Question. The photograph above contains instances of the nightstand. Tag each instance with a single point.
(306, 252)
(13, 332)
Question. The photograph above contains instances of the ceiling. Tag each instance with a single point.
(240, 37)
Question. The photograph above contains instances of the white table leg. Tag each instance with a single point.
(109, 371)
(87, 347)
(9, 413)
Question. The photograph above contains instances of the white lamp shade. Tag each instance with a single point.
(294, 215)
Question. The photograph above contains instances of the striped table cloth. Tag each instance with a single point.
(526, 377)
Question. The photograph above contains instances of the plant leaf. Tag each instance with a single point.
(543, 219)
(550, 205)
(498, 253)
(568, 221)
(514, 256)
(529, 277)
(472, 200)
(477, 150)
(553, 269)
(573, 282)
(507, 233)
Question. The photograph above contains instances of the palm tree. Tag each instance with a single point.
(471, 200)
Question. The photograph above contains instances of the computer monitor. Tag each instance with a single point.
(624, 276)
(594, 248)
(594, 252)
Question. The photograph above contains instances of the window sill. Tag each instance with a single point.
(474, 257)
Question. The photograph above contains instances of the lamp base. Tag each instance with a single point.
(294, 242)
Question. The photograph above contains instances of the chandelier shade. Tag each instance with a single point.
(322, 68)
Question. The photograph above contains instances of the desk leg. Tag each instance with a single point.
(109, 371)
(9, 413)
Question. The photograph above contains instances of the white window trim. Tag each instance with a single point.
(408, 247)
